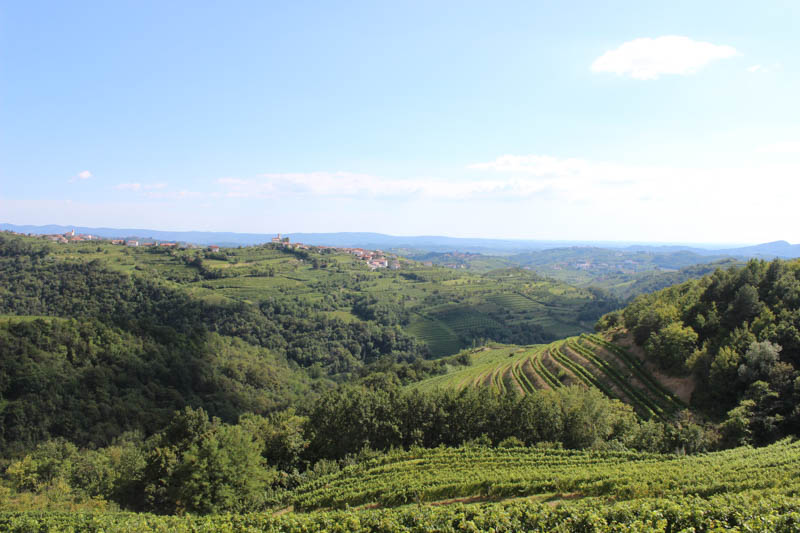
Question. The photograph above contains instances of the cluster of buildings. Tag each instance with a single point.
(72, 237)
(373, 258)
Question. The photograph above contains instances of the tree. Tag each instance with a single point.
(758, 361)
(202, 466)
(672, 345)
(745, 306)
(652, 320)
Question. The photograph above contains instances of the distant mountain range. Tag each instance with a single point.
(426, 243)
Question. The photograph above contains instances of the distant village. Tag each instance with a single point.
(72, 237)
(374, 259)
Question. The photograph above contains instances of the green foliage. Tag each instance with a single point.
(198, 465)
(759, 361)
(280, 436)
(671, 345)
(760, 511)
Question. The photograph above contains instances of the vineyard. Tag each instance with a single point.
(508, 490)
(589, 360)
(432, 475)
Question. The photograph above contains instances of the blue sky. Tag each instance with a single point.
(645, 121)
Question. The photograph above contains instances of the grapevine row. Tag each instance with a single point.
(639, 399)
(636, 365)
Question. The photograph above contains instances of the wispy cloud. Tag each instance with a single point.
(140, 186)
(648, 59)
(609, 183)
(513, 177)
(348, 184)
(756, 69)
(506, 177)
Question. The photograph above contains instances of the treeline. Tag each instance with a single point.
(738, 331)
(199, 464)
(382, 416)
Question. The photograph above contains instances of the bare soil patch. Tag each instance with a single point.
(533, 376)
(681, 386)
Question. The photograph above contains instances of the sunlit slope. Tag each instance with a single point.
(588, 360)
(497, 473)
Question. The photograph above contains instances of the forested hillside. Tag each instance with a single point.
(738, 332)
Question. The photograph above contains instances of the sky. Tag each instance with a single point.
(615, 121)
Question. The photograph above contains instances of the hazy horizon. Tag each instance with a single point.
(707, 245)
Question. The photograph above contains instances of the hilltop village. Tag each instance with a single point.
(374, 259)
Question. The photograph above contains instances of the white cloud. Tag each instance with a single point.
(81, 176)
(756, 68)
(647, 59)
(537, 194)
(624, 186)
(785, 147)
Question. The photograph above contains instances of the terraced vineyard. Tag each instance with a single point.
(589, 360)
